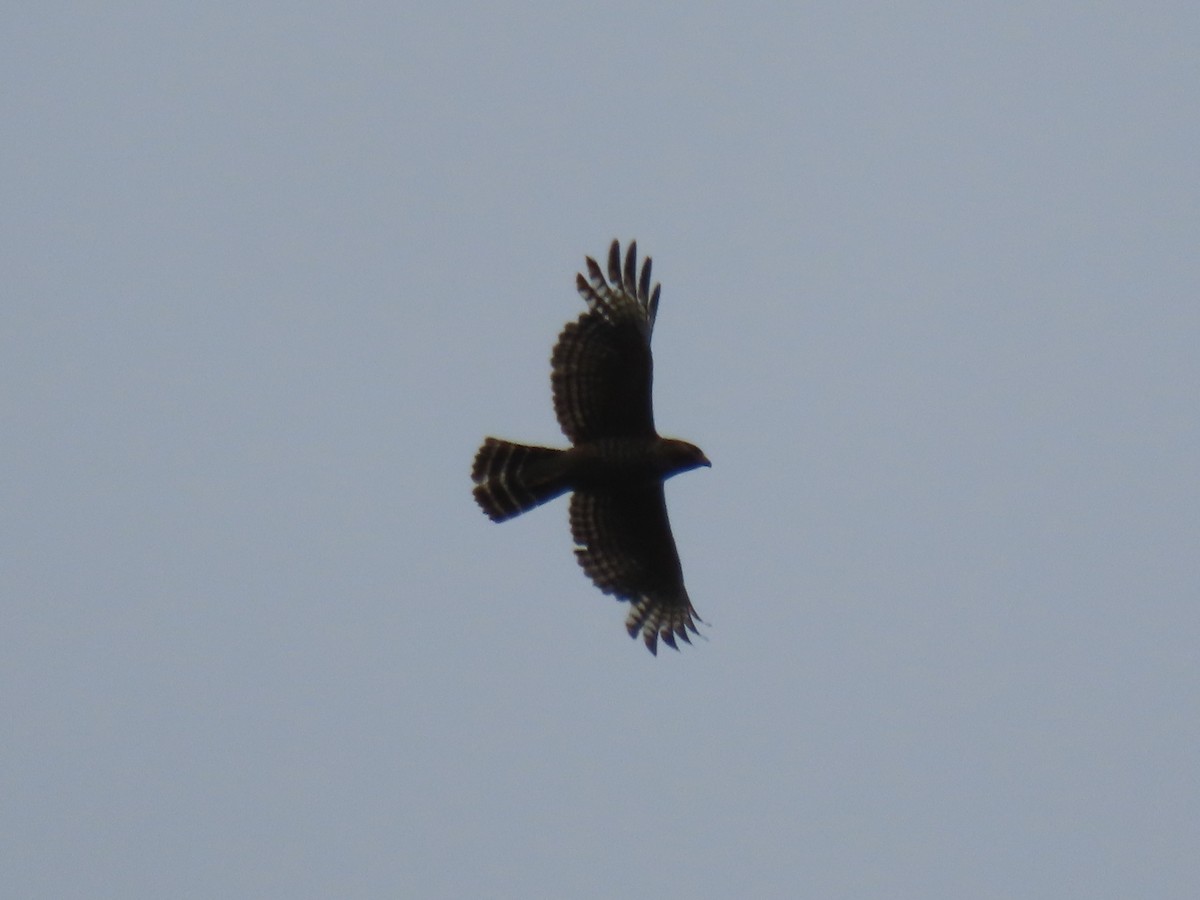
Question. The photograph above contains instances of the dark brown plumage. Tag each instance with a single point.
(601, 374)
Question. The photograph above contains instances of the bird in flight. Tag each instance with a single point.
(601, 374)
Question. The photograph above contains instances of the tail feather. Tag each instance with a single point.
(512, 478)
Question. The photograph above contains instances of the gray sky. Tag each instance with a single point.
(931, 304)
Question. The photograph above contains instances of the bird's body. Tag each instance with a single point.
(601, 376)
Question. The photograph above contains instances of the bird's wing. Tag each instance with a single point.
(601, 368)
(625, 546)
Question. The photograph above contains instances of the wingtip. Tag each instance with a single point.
(614, 262)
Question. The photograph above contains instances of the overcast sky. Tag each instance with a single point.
(931, 305)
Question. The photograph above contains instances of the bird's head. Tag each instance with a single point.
(680, 456)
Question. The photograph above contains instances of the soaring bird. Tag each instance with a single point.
(601, 374)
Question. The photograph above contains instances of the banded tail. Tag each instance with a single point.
(512, 478)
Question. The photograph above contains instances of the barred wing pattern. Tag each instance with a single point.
(601, 369)
(627, 549)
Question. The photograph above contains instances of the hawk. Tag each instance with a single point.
(601, 373)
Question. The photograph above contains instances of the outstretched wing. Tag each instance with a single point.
(601, 369)
(626, 548)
